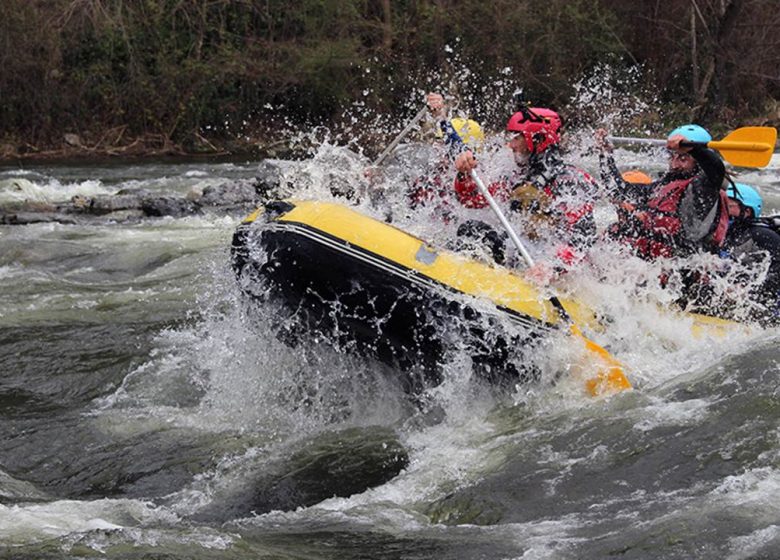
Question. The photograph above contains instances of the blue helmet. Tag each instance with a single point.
(746, 196)
(692, 133)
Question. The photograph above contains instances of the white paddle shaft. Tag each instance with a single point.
(631, 140)
(507, 226)
(401, 135)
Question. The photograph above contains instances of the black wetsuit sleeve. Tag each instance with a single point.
(610, 176)
(709, 181)
(710, 164)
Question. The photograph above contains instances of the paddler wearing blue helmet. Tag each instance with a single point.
(684, 211)
(754, 244)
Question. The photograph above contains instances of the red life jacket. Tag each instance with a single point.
(718, 236)
(663, 226)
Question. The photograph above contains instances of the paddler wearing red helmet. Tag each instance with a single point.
(542, 184)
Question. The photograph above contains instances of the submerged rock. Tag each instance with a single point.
(466, 508)
(229, 194)
(13, 490)
(174, 206)
(25, 218)
(107, 204)
(336, 464)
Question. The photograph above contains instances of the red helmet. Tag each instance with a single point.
(540, 127)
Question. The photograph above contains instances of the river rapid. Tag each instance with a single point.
(145, 412)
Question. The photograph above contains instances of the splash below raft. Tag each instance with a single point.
(367, 286)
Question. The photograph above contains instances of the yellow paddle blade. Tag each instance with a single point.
(749, 146)
(611, 378)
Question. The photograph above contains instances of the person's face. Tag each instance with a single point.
(736, 210)
(682, 162)
(519, 149)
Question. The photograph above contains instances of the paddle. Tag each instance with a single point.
(613, 379)
(401, 135)
(375, 195)
(749, 146)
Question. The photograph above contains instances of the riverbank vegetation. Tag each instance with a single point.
(172, 76)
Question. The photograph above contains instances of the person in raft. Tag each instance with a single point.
(454, 134)
(683, 212)
(625, 203)
(555, 198)
(754, 244)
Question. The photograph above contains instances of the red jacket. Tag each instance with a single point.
(469, 196)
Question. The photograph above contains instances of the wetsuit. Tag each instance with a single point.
(431, 187)
(751, 242)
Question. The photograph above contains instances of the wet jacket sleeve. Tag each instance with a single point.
(613, 182)
(468, 194)
(618, 189)
(708, 183)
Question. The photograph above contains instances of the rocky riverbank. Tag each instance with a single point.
(233, 197)
(112, 144)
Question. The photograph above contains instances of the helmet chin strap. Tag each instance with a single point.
(537, 139)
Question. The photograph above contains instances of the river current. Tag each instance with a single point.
(145, 413)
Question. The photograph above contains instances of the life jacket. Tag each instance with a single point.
(427, 189)
(771, 222)
(569, 189)
(560, 183)
(662, 227)
(431, 190)
(722, 225)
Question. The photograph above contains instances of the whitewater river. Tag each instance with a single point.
(145, 413)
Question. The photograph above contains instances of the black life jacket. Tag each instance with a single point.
(772, 222)
(571, 189)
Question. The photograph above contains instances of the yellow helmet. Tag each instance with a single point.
(469, 131)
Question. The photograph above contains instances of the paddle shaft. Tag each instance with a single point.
(614, 378)
(658, 142)
(630, 140)
(716, 144)
(401, 135)
(515, 239)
